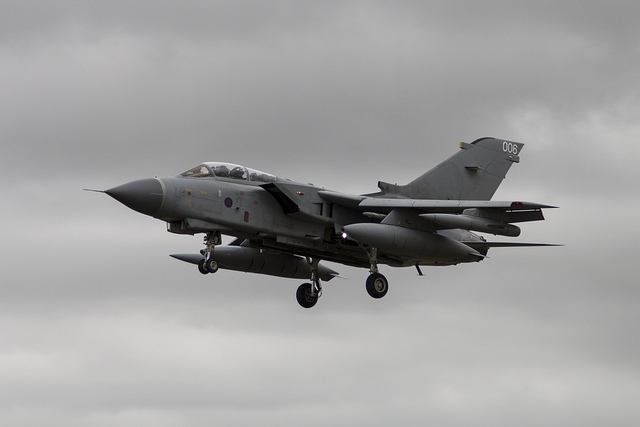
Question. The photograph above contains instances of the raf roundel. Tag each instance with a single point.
(228, 202)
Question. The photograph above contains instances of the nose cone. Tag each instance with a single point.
(143, 195)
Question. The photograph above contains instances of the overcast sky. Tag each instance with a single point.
(100, 327)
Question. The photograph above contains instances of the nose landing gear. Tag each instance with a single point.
(208, 264)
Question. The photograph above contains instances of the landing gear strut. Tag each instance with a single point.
(377, 285)
(308, 293)
(208, 264)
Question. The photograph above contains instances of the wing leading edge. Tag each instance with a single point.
(370, 203)
(380, 204)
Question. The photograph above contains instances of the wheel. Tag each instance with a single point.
(212, 265)
(202, 268)
(304, 296)
(377, 285)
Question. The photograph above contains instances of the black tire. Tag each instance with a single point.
(212, 265)
(202, 268)
(304, 297)
(377, 285)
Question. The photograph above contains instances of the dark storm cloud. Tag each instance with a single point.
(101, 327)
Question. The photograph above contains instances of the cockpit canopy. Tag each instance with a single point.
(228, 171)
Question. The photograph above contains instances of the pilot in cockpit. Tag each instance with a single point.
(221, 171)
(237, 173)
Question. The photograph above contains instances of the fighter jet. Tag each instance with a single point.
(286, 228)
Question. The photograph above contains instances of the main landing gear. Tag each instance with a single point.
(377, 285)
(308, 293)
(208, 264)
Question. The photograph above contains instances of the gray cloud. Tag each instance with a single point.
(99, 326)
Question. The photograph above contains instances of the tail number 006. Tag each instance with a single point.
(510, 147)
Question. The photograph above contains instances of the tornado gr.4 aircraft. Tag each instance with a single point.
(286, 228)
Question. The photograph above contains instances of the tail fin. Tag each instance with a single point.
(474, 173)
